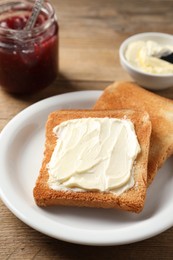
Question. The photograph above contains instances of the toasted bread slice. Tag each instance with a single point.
(130, 200)
(128, 95)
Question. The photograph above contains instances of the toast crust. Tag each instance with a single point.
(128, 95)
(131, 200)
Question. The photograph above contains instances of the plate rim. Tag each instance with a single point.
(23, 218)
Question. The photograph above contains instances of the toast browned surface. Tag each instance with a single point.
(128, 95)
(131, 200)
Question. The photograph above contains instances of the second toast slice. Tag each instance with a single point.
(128, 95)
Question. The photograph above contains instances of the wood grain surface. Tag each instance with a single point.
(91, 32)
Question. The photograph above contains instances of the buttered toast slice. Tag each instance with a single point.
(128, 95)
(68, 147)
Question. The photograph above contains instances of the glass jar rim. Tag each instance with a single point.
(5, 6)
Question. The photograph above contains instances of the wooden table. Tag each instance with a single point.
(90, 35)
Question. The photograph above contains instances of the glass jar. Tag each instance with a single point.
(28, 59)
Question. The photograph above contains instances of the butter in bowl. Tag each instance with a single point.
(148, 58)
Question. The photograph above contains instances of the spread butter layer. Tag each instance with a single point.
(94, 154)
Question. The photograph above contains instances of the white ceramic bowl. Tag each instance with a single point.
(147, 80)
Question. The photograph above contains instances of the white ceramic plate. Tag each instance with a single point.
(21, 151)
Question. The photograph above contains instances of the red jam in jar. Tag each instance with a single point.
(28, 59)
